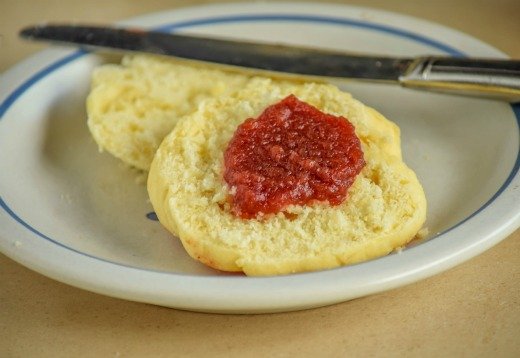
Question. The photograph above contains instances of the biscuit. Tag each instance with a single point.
(384, 209)
(131, 107)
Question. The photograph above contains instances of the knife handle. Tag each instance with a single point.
(499, 79)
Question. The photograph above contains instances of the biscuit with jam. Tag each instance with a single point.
(384, 207)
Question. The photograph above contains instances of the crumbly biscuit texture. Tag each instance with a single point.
(384, 209)
(132, 106)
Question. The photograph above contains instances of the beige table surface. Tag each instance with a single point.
(471, 310)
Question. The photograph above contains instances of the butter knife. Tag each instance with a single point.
(492, 78)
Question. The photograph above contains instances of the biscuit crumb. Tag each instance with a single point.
(141, 178)
(422, 234)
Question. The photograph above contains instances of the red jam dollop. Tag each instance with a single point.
(292, 154)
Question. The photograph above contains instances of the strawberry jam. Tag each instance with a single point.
(292, 154)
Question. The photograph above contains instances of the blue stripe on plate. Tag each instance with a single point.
(13, 96)
(317, 19)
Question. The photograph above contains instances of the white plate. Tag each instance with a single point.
(79, 217)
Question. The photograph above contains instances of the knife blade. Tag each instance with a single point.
(483, 77)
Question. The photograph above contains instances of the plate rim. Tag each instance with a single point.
(298, 282)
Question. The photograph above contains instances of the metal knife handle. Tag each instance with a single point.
(476, 77)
